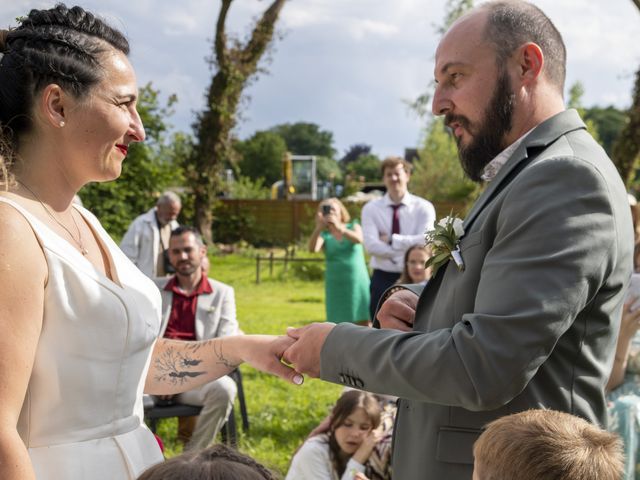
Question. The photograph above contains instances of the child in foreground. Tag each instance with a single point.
(218, 462)
(344, 450)
(546, 445)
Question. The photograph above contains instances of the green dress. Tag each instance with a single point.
(346, 280)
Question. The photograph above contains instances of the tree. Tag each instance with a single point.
(627, 146)
(328, 169)
(576, 91)
(438, 175)
(244, 187)
(354, 152)
(608, 122)
(367, 166)
(236, 64)
(261, 156)
(453, 10)
(304, 138)
(149, 169)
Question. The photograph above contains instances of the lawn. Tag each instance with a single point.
(280, 414)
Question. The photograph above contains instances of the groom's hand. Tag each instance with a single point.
(398, 311)
(304, 354)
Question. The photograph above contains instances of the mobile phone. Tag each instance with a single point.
(326, 210)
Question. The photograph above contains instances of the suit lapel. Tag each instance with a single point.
(205, 302)
(541, 136)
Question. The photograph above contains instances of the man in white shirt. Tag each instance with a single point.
(147, 238)
(391, 225)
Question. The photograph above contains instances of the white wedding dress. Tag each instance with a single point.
(82, 415)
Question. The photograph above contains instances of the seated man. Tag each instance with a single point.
(195, 307)
(546, 445)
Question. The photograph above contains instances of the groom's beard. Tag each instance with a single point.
(488, 139)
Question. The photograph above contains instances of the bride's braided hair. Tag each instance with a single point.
(60, 45)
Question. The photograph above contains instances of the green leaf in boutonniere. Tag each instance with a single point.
(444, 242)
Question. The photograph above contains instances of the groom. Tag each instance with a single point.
(532, 319)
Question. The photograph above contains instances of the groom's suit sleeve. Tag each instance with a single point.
(548, 256)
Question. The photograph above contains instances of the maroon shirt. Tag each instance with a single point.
(182, 319)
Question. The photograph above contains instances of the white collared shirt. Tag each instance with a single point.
(377, 215)
(492, 168)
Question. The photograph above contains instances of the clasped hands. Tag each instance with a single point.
(299, 351)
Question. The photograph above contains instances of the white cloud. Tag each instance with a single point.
(347, 64)
(364, 29)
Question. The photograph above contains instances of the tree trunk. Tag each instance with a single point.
(235, 64)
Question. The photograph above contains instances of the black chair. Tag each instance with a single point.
(237, 377)
(154, 410)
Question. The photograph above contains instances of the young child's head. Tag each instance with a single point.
(218, 462)
(414, 260)
(546, 445)
(353, 417)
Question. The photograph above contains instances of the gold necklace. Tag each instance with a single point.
(78, 242)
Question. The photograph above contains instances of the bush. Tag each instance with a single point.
(307, 270)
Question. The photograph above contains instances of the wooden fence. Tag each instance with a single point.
(283, 222)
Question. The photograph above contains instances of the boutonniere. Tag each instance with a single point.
(211, 309)
(444, 242)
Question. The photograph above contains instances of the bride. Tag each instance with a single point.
(79, 322)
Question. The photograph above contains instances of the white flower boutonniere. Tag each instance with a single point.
(444, 242)
(211, 309)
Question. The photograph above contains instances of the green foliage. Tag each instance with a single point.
(304, 138)
(230, 228)
(609, 122)
(438, 175)
(244, 187)
(354, 152)
(328, 169)
(149, 169)
(307, 270)
(281, 415)
(626, 148)
(576, 91)
(261, 156)
(367, 166)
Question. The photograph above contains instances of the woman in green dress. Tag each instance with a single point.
(346, 275)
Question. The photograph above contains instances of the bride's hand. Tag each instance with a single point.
(264, 352)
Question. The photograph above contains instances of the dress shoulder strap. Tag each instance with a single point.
(35, 224)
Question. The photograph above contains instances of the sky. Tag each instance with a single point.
(349, 66)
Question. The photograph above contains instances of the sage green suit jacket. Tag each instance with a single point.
(531, 322)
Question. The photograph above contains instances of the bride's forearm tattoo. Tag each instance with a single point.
(174, 366)
(217, 350)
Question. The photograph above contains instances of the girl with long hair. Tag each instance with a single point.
(414, 270)
(341, 454)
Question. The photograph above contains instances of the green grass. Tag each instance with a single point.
(280, 414)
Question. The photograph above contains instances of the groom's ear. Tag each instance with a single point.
(529, 60)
